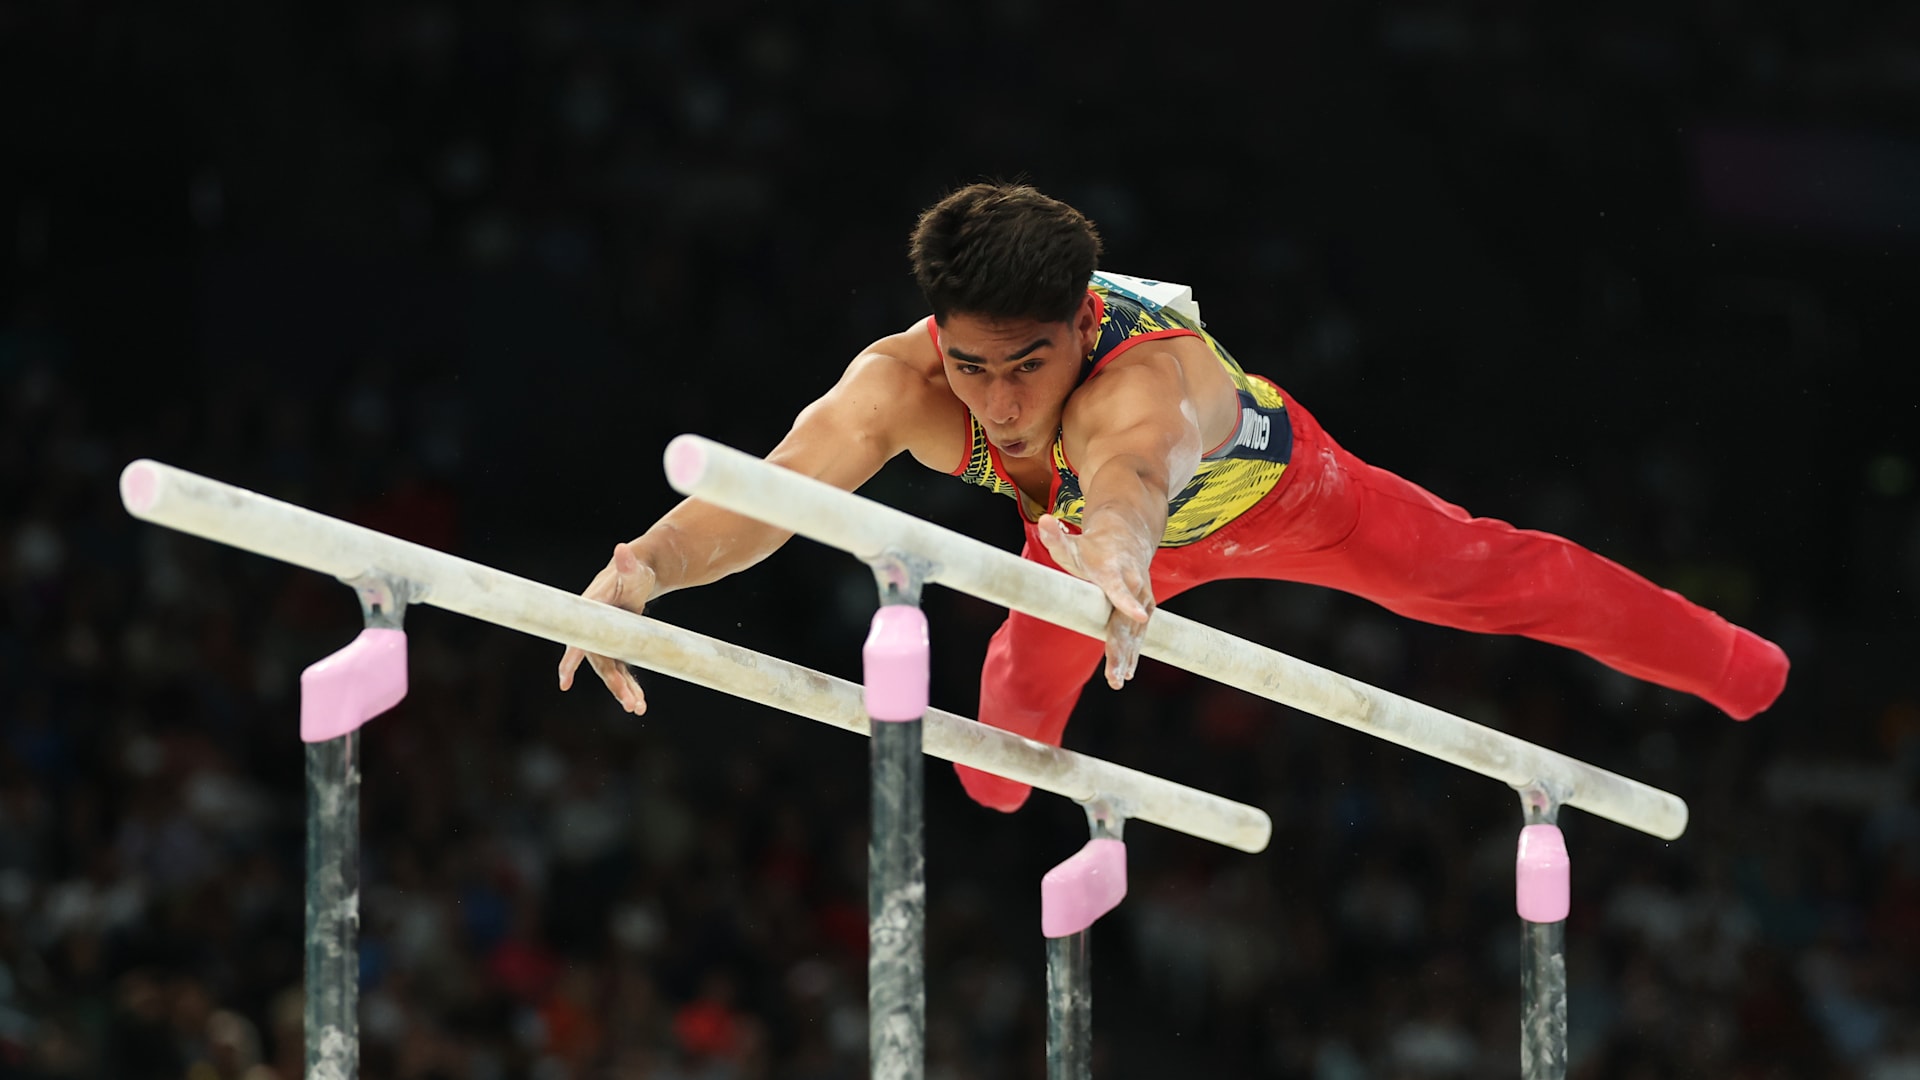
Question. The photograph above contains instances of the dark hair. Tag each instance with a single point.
(1003, 251)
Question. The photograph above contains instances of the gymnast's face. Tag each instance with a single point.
(1016, 374)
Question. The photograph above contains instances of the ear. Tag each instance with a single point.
(1086, 322)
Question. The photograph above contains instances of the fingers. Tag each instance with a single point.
(618, 677)
(1125, 599)
(1125, 589)
(1124, 636)
(1126, 626)
(624, 582)
(633, 698)
(620, 682)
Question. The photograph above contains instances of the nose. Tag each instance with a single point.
(1003, 405)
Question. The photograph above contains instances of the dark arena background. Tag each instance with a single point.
(1642, 274)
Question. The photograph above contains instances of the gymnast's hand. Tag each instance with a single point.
(1122, 573)
(625, 582)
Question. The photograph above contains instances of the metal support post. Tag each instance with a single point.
(1542, 887)
(1072, 896)
(897, 666)
(337, 696)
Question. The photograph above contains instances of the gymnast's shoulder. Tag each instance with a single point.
(904, 364)
(899, 384)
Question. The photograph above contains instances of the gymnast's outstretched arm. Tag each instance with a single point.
(1134, 432)
(882, 404)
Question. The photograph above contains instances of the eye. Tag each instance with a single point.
(1030, 365)
(968, 369)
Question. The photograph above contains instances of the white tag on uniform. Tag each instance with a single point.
(1152, 295)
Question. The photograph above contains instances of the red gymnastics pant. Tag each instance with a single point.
(1337, 521)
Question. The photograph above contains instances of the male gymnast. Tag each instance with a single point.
(1145, 460)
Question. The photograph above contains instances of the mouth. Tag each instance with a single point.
(1015, 447)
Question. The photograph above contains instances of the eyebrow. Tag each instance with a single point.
(969, 358)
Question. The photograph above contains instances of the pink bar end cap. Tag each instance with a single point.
(354, 685)
(896, 664)
(1088, 885)
(685, 462)
(1543, 875)
(139, 486)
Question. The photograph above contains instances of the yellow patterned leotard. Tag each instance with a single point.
(1232, 477)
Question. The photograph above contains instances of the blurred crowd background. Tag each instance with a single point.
(1642, 274)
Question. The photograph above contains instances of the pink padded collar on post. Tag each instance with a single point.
(1543, 875)
(897, 664)
(1088, 885)
(354, 685)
